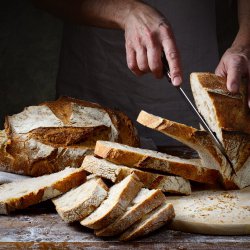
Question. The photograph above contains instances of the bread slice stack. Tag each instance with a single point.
(119, 197)
(128, 206)
(145, 201)
(150, 222)
(109, 211)
(53, 135)
(125, 209)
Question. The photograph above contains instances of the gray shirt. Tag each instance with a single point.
(93, 64)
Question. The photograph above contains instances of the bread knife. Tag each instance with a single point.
(166, 72)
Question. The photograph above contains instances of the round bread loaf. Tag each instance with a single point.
(53, 135)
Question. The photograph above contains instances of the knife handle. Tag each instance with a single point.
(166, 70)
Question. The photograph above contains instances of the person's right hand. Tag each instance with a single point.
(147, 34)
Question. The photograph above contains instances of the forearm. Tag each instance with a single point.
(101, 13)
(243, 36)
(147, 32)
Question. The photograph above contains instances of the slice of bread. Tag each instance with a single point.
(210, 155)
(79, 202)
(115, 173)
(119, 197)
(141, 158)
(145, 201)
(199, 140)
(150, 222)
(21, 194)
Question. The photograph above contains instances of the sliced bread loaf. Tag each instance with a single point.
(21, 194)
(115, 173)
(119, 197)
(141, 158)
(228, 116)
(79, 202)
(145, 201)
(150, 222)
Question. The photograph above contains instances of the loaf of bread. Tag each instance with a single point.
(228, 116)
(49, 137)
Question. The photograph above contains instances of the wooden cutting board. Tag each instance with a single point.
(213, 212)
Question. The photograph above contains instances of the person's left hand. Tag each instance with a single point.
(235, 64)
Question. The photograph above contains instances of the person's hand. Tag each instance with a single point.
(234, 65)
(147, 34)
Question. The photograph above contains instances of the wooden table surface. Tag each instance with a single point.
(39, 227)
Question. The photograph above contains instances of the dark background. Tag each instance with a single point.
(29, 52)
(30, 45)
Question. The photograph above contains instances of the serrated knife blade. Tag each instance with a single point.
(217, 142)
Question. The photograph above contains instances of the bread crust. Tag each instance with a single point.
(237, 146)
(30, 157)
(127, 132)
